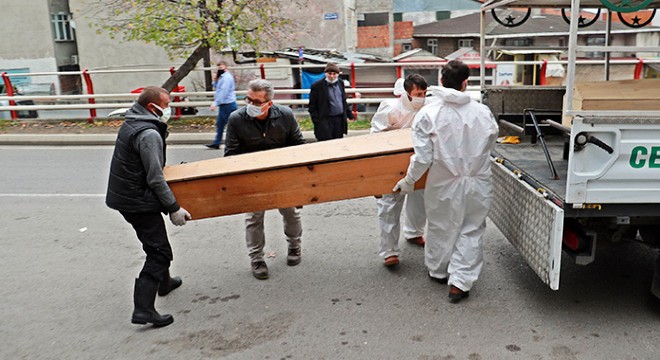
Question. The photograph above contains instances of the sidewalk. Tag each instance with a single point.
(109, 139)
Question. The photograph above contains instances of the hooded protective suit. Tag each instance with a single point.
(395, 114)
(453, 138)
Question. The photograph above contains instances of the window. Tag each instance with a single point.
(464, 43)
(595, 41)
(374, 19)
(398, 17)
(62, 27)
(518, 42)
(406, 47)
(442, 15)
(433, 46)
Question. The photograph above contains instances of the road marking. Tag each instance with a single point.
(52, 195)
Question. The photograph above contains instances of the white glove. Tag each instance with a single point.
(180, 217)
(405, 185)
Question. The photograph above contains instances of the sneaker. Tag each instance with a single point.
(391, 261)
(419, 241)
(213, 146)
(293, 257)
(260, 270)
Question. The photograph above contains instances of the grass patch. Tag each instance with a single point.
(202, 122)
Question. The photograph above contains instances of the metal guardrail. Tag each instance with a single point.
(91, 98)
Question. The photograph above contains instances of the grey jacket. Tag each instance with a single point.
(136, 182)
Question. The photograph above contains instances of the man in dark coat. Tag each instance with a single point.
(262, 125)
(138, 190)
(328, 107)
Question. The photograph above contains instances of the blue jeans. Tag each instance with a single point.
(221, 121)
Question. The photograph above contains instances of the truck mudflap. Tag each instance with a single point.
(531, 223)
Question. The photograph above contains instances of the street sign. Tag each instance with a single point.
(330, 16)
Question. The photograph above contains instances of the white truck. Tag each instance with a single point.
(595, 180)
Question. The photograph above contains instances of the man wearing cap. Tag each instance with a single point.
(328, 107)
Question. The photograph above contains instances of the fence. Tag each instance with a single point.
(92, 105)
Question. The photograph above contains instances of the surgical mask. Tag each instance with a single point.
(253, 110)
(331, 81)
(417, 102)
(165, 113)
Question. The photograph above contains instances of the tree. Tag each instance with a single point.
(190, 28)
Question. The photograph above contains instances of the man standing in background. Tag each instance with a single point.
(328, 107)
(224, 100)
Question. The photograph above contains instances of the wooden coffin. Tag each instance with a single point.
(313, 173)
(633, 95)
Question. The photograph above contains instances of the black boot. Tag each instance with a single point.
(144, 297)
(169, 284)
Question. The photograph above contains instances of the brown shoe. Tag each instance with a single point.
(456, 294)
(391, 261)
(419, 241)
(260, 270)
(293, 257)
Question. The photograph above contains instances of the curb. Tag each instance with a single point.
(109, 139)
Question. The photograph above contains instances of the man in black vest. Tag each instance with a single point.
(328, 107)
(138, 190)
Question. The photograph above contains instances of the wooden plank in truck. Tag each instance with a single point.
(632, 95)
(313, 173)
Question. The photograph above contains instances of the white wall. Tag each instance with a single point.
(99, 52)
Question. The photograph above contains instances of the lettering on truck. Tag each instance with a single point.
(642, 156)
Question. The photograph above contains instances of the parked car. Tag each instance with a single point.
(22, 114)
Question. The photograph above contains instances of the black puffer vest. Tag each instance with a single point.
(127, 187)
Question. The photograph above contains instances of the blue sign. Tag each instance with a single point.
(330, 16)
(18, 80)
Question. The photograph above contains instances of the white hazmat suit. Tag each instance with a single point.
(398, 114)
(453, 138)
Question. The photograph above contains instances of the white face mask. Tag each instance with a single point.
(331, 81)
(417, 102)
(253, 110)
(165, 113)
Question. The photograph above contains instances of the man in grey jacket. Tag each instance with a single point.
(138, 190)
(262, 125)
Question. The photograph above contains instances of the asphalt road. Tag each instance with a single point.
(68, 265)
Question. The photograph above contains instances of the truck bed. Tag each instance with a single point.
(530, 159)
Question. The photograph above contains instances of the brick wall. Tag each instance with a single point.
(403, 30)
(398, 49)
(373, 36)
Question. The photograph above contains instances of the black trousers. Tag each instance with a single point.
(150, 230)
(331, 127)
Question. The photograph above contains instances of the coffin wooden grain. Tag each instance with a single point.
(630, 95)
(313, 173)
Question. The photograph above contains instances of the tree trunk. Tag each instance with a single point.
(208, 77)
(186, 68)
